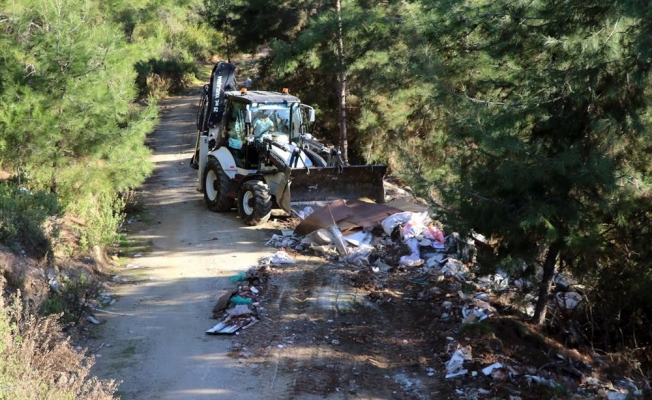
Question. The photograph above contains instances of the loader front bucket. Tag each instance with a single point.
(332, 183)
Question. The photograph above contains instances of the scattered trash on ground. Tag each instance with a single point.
(455, 366)
(376, 242)
(280, 257)
(238, 309)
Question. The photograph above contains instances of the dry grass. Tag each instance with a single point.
(37, 361)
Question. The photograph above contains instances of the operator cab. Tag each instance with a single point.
(253, 116)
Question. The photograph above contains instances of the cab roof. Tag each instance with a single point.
(261, 97)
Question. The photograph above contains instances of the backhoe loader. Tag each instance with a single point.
(254, 152)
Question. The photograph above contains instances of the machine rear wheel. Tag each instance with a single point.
(254, 202)
(216, 187)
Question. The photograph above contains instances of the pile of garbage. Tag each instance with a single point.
(238, 309)
(357, 232)
(400, 236)
(389, 238)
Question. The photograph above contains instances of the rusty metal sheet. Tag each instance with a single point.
(347, 215)
(369, 215)
(406, 205)
(324, 217)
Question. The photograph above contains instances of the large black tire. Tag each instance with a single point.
(254, 202)
(216, 187)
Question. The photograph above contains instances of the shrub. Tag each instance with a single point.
(38, 362)
(22, 215)
(71, 302)
(102, 216)
(158, 78)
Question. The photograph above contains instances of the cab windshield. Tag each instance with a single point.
(277, 119)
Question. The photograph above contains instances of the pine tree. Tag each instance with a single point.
(547, 123)
(67, 117)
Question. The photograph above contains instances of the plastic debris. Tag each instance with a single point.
(489, 369)
(229, 327)
(617, 396)
(455, 366)
(416, 225)
(282, 241)
(239, 309)
(435, 260)
(305, 212)
(240, 276)
(381, 266)
(393, 221)
(454, 268)
(360, 238)
(539, 380)
(320, 237)
(358, 255)
(53, 280)
(414, 259)
(629, 386)
(472, 314)
(240, 300)
(435, 236)
(338, 240)
(93, 320)
(280, 257)
(498, 281)
(568, 300)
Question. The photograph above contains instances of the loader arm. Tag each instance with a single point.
(282, 194)
(323, 184)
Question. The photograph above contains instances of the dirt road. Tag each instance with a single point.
(154, 341)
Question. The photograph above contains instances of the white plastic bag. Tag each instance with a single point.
(455, 366)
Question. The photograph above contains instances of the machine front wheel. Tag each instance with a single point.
(254, 202)
(216, 187)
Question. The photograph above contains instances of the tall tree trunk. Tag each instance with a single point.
(344, 141)
(546, 282)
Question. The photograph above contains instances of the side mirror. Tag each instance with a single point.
(248, 117)
(206, 88)
(311, 115)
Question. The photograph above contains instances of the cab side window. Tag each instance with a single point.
(236, 126)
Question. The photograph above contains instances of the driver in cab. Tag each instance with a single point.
(262, 124)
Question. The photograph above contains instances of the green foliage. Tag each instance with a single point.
(544, 115)
(102, 216)
(249, 24)
(172, 36)
(67, 119)
(53, 305)
(383, 96)
(71, 302)
(158, 78)
(477, 329)
(22, 218)
(545, 109)
(619, 274)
